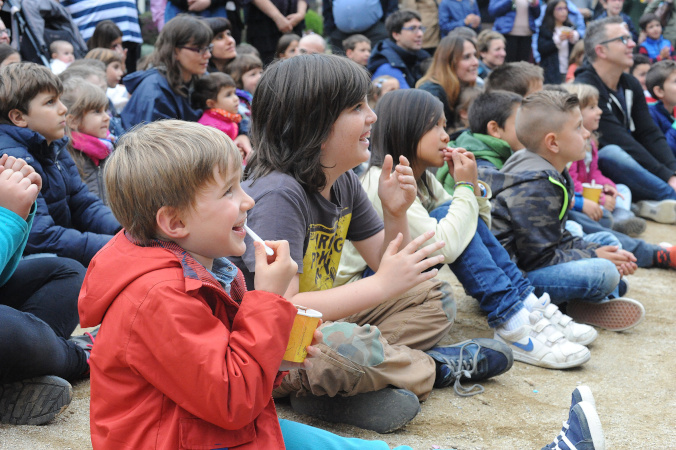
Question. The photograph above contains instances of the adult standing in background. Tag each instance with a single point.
(345, 18)
(229, 9)
(88, 13)
(268, 20)
(515, 19)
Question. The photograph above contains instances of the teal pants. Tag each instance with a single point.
(298, 436)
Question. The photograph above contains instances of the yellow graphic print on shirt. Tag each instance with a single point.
(320, 262)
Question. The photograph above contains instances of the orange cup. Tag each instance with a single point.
(304, 326)
(592, 191)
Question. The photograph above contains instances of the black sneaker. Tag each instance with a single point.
(477, 359)
(86, 343)
(381, 411)
(34, 401)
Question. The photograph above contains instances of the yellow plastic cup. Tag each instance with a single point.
(304, 326)
(592, 191)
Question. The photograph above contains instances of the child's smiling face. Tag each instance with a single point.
(348, 143)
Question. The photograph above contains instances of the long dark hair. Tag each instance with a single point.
(296, 104)
(105, 33)
(182, 30)
(404, 116)
(548, 21)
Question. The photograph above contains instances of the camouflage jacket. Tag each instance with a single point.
(530, 204)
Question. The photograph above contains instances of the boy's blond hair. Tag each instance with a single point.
(542, 113)
(586, 93)
(20, 83)
(164, 163)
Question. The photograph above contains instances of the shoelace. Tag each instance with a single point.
(466, 368)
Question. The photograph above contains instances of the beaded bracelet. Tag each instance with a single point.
(464, 183)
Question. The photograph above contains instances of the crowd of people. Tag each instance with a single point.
(408, 140)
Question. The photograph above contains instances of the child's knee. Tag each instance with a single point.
(363, 345)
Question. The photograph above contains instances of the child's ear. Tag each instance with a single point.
(210, 103)
(71, 122)
(170, 223)
(658, 92)
(18, 118)
(551, 143)
(493, 129)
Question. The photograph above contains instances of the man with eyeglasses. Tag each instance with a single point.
(401, 54)
(5, 34)
(640, 156)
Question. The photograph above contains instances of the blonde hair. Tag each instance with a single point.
(164, 163)
(586, 93)
(541, 113)
(81, 96)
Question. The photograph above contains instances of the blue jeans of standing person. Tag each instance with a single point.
(617, 165)
(38, 313)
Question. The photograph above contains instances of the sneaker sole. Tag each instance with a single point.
(631, 227)
(583, 394)
(381, 411)
(663, 212)
(593, 424)
(34, 401)
(617, 314)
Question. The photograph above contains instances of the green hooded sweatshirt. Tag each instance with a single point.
(494, 150)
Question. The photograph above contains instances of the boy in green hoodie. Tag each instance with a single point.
(491, 135)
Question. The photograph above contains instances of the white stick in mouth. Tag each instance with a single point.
(255, 237)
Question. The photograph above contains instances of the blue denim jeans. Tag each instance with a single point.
(591, 279)
(617, 165)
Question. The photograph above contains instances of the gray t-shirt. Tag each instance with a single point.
(315, 227)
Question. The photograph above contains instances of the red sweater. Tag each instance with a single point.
(178, 363)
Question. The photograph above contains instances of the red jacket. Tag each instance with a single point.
(178, 363)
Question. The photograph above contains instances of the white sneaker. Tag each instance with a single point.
(540, 344)
(662, 211)
(574, 332)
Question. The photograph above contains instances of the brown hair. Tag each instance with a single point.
(208, 87)
(241, 65)
(541, 113)
(164, 163)
(517, 77)
(22, 82)
(106, 55)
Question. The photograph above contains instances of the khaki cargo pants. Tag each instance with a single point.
(380, 347)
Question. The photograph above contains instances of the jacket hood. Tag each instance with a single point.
(522, 167)
(132, 80)
(117, 265)
(484, 146)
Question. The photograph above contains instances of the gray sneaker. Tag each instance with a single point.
(663, 211)
(382, 411)
(34, 401)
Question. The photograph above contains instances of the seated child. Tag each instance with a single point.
(467, 96)
(477, 259)
(215, 94)
(90, 140)
(304, 173)
(114, 62)
(358, 48)
(615, 198)
(532, 194)
(70, 221)
(660, 80)
(38, 311)
(62, 55)
(613, 8)
(639, 70)
(381, 86)
(575, 60)
(519, 77)
(287, 46)
(556, 37)
(655, 46)
(246, 70)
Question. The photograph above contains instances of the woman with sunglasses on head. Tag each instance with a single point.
(181, 55)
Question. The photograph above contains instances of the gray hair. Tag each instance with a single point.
(595, 34)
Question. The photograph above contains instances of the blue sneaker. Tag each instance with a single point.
(583, 430)
(582, 394)
(477, 359)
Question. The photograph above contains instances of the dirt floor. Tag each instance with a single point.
(631, 374)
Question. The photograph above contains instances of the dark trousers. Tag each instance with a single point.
(518, 48)
(38, 313)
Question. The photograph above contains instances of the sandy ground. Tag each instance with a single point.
(631, 374)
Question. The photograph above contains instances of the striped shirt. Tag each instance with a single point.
(88, 13)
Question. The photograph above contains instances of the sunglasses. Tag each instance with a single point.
(625, 38)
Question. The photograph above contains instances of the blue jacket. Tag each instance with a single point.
(504, 13)
(13, 236)
(652, 48)
(69, 220)
(387, 58)
(153, 99)
(665, 122)
(452, 14)
(575, 17)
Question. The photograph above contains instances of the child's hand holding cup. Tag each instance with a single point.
(303, 334)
